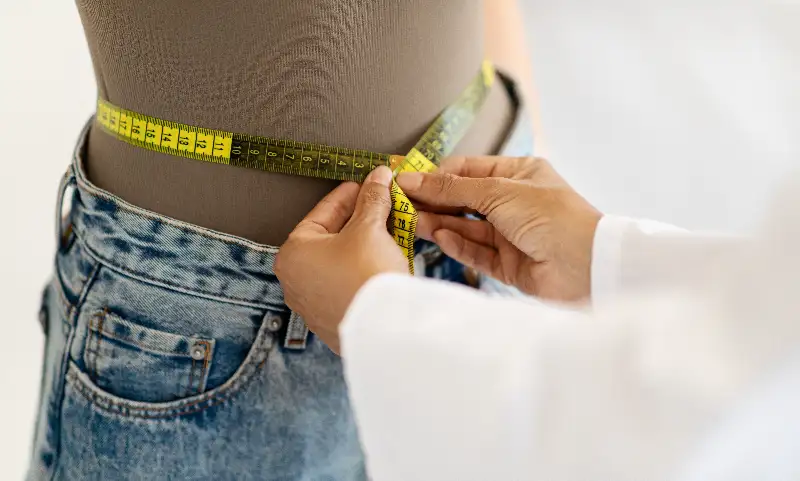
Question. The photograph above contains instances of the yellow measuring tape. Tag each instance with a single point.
(310, 160)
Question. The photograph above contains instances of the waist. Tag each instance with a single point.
(260, 206)
(165, 251)
(176, 254)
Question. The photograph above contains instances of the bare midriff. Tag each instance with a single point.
(367, 74)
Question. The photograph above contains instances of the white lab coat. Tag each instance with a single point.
(687, 366)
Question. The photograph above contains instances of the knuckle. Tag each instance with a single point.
(541, 165)
(452, 163)
(529, 165)
(537, 169)
(337, 209)
(469, 252)
(492, 189)
(439, 184)
(376, 193)
(537, 162)
(447, 183)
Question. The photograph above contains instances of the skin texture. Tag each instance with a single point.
(347, 224)
(368, 74)
(538, 232)
(537, 236)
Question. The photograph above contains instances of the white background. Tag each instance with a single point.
(687, 114)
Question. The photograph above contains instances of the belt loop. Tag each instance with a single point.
(296, 333)
(67, 180)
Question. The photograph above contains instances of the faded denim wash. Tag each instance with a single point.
(165, 356)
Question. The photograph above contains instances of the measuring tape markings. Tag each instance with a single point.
(307, 159)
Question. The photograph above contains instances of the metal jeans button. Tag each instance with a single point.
(274, 323)
(199, 351)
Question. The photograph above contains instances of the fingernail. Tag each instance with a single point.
(409, 180)
(381, 175)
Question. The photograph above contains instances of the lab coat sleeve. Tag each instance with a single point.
(637, 254)
(448, 384)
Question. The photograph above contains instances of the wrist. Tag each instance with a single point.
(370, 272)
(591, 221)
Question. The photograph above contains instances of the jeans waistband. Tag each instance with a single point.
(189, 258)
(519, 141)
(165, 251)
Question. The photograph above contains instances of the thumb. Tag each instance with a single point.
(373, 202)
(448, 190)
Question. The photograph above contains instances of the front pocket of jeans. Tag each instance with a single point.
(81, 384)
(139, 363)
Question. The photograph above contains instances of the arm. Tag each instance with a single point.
(683, 380)
(449, 384)
(474, 388)
(544, 238)
(478, 388)
(469, 387)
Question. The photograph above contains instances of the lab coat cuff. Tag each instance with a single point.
(606, 269)
(363, 303)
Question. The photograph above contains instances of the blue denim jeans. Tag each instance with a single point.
(170, 354)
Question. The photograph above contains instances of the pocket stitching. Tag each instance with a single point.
(66, 306)
(107, 402)
(90, 353)
(87, 350)
(97, 334)
(201, 377)
(191, 378)
(99, 323)
(163, 282)
(98, 331)
(104, 402)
